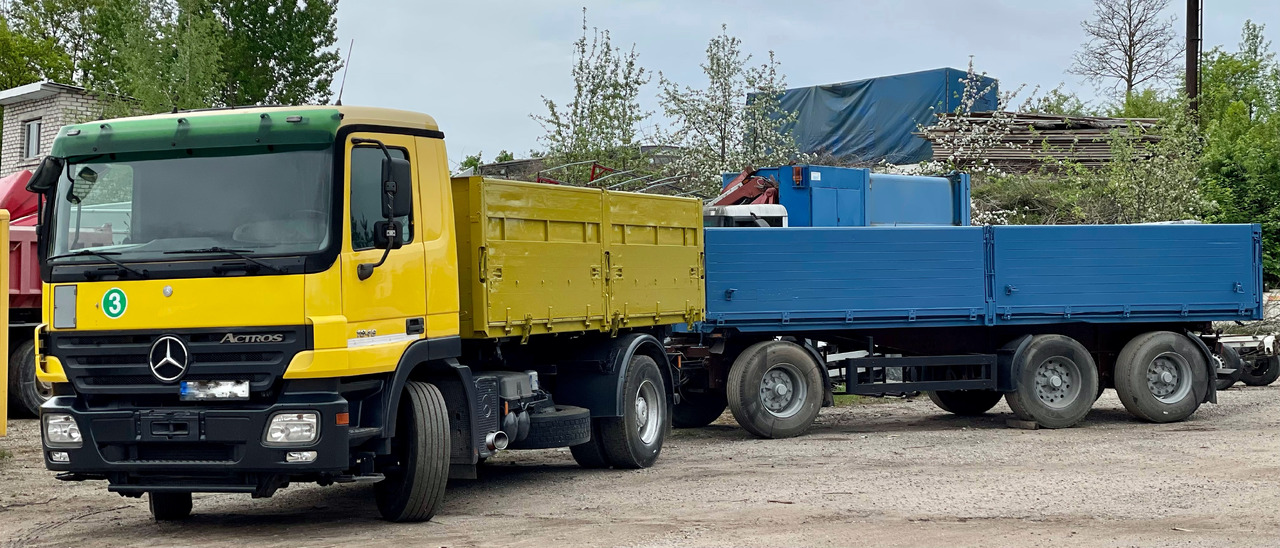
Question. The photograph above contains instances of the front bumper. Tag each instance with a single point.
(204, 449)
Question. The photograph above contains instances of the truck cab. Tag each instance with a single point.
(239, 299)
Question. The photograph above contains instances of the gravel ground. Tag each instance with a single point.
(898, 473)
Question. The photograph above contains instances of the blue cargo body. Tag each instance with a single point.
(793, 279)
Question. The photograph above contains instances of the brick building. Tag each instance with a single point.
(32, 116)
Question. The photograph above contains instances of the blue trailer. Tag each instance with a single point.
(1043, 316)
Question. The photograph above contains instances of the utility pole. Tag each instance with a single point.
(1195, 18)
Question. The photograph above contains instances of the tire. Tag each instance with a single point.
(562, 426)
(965, 402)
(415, 480)
(1161, 376)
(1230, 358)
(591, 454)
(1037, 398)
(698, 409)
(635, 439)
(1262, 372)
(169, 506)
(26, 392)
(785, 412)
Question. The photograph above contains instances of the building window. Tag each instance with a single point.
(31, 139)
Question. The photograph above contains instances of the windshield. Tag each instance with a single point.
(273, 203)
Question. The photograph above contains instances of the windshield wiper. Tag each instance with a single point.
(104, 255)
(240, 253)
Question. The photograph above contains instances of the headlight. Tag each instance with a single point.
(61, 430)
(292, 429)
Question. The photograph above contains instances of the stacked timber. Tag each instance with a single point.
(1022, 142)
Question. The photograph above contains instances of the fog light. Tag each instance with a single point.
(61, 430)
(59, 456)
(300, 456)
(292, 429)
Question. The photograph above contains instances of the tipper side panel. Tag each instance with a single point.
(654, 256)
(537, 258)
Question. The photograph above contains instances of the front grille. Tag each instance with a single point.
(175, 452)
(116, 362)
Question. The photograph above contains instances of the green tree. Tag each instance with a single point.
(278, 51)
(72, 26)
(1057, 101)
(718, 129)
(1240, 114)
(504, 156)
(471, 161)
(601, 122)
(1147, 103)
(24, 60)
(170, 59)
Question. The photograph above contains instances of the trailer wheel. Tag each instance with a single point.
(26, 391)
(635, 439)
(775, 389)
(169, 506)
(965, 402)
(416, 476)
(698, 409)
(1262, 371)
(1158, 376)
(1229, 358)
(1056, 384)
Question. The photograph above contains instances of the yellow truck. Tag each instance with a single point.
(240, 299)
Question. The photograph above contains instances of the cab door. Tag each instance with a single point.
(387, 311)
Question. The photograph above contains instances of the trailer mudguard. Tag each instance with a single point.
(1211, 391)
(596, 381)
(1009, 363)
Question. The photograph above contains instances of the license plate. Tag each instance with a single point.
(214, 390)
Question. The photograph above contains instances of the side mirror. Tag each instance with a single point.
(46, 175)
(396, 177)
(387, 232)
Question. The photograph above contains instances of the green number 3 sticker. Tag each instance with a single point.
(114, 303)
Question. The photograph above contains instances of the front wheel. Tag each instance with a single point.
(419, 465)
(1161, 376)
(635, 439)
(775, 389)
(1057, 383)
(169, 506)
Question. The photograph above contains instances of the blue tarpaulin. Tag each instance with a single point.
(873, 120)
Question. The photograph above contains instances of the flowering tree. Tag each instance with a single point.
(720, 129)
(600, 123)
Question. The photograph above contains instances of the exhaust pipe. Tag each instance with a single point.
(496, 441)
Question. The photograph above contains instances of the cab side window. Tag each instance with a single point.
(366, 195)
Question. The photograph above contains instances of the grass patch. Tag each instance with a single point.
(5, 454)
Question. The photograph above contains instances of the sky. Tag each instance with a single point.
(481, 68)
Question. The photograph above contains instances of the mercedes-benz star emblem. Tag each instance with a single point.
(168, 358)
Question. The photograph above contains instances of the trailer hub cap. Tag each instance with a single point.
(1169, 377)
(1057, 382)
(782, 390)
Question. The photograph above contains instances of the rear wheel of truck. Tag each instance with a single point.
(1056, 384)
(26, 391)
(1161, 376)
(419, 467)
(698, 409)
(169, 506)
(635, 439)
(965, 402)
(1262, 371)
(1229, 358)
(775, 389)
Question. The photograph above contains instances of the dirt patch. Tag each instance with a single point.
(898, 474)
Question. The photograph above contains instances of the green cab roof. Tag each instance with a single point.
(202, 130)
